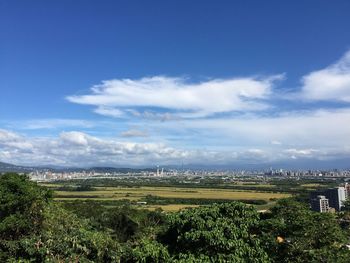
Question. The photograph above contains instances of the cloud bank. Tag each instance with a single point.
(82, 150)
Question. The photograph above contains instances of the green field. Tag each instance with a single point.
(311, 185)
(251, 184)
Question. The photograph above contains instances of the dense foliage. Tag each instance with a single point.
(34, 228)
(302, 235)
(215, 232)
(151, 199)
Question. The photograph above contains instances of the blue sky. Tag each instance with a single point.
(129, 83)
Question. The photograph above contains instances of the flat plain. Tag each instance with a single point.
(137, 193)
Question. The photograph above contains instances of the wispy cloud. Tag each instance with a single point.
(152, 115)
(177, 94)
(36, 124)
(109, 111)
(274, 142)
(313, 128)
(134, 133)
(330, 83)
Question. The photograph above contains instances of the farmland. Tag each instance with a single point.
(118, 193)
(172, 194)
(168, 198)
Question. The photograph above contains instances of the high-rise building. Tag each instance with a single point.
(336, 197)
(320, 204)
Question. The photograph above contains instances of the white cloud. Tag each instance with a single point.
(7, 136)
(330, 83)
(306, 129)
(109, 111)
(80, 149)
(134, 133)
(275, 142)
(194, 99)
(14, 141)
(151, 115)
(302, 152)
(74, 138)
(36, 124)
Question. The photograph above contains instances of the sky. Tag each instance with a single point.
(145, 83)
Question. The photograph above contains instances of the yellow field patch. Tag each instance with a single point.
(136, 193)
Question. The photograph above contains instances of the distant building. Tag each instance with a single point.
(320, 204)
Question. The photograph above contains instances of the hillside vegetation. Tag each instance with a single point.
(34, 228)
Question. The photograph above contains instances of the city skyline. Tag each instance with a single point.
(131, 84)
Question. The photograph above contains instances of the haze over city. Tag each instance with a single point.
(126, 84)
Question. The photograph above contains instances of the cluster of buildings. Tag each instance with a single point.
(159, 172)
(330, 200)
(47, 175)
(308, 173)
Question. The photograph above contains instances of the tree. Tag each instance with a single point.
(147, 251)
(215, 233)
(293, 233)
(21, 211)
(346, 205)
(34, 229)
(66, 237)
(21, 206)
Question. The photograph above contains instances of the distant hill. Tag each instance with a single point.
(304, 165)
(7, 167)
(119, 170)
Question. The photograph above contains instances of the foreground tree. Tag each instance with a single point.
(21, 211)
(216, 233)
(146, 250)
(68, 238)
(293, 233)
(34, 229)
